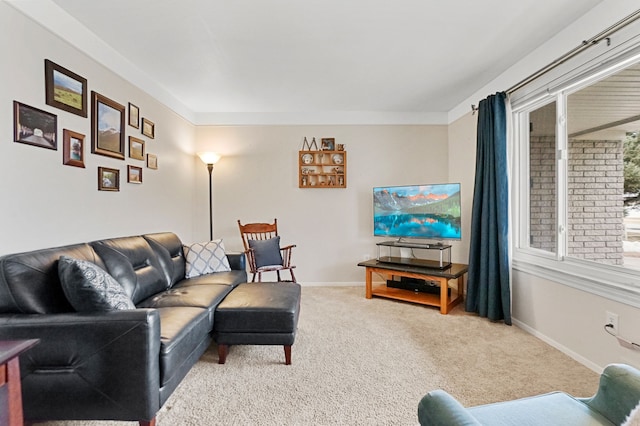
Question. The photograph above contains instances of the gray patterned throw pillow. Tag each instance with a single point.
(90, 288)
(205, 258)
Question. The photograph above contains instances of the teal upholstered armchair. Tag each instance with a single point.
(618, 393)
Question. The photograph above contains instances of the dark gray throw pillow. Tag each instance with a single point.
(266, 252)
(90, 288)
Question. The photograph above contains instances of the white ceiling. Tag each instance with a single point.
(314, 56)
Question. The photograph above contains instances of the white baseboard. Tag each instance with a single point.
(582, 360)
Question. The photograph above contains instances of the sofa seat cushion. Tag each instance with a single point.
(198, 296)
(259, 308)
(230, 278)
(182, 331)
(552, 409)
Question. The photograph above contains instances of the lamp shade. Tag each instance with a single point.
(209, 157)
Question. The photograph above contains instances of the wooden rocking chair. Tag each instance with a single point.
(263, 251)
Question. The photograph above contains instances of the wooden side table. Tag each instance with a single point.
(10, 388)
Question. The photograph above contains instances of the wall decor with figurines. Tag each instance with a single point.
(322, 168)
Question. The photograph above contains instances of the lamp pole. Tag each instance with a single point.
(210, 168)
(210, 158)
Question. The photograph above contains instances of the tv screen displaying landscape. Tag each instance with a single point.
(417, 211)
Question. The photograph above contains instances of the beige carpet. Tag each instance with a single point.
(368, 362)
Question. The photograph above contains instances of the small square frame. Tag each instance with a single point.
(328, 144)
(136, 148)
(134, 174)
(134, 116)
(148, 128)
(108, 179)
(152, 161)
(72, 148)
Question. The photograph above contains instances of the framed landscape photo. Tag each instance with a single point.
(136, 148)
(148, 128)
(152, 161)
(34, 126)
(72, 148)
(107, 126)
(65, 89)
(134, 116)
(108, 179)
(134, 174)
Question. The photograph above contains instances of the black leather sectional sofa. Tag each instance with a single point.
(115, 365)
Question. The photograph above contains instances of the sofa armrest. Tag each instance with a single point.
(237, 261)
(618, 392)
(438, 408)
(89, 365)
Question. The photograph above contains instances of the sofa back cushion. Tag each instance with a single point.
(168, 247)
(29, 282)
(134, 264)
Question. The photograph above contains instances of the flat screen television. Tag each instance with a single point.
(429, 211)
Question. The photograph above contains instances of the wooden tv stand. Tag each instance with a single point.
(445, 301)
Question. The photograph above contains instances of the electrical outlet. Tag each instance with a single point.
(612, 319)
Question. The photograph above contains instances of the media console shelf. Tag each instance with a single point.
(444, 254)
(447, 297)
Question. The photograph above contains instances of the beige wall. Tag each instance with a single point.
(45, 203)
(256, 180)
(462, 160)
(573, 320)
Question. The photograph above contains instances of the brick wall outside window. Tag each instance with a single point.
(595, 187)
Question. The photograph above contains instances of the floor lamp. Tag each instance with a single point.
(210, 158)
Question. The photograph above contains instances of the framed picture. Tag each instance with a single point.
(108, 179)
(107, 127)
(134, 116)
(134, 174)
(152, 161)
(148, 128)
(72, 148)
(34, 126)
(328, 144)
(136, 148)
(65, 89)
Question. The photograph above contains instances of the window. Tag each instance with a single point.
(578, 182)
(542, 176)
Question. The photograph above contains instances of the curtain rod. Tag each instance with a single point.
(604, 35)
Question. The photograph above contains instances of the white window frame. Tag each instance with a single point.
(613, 282)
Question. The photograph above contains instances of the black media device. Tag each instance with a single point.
(416, 284)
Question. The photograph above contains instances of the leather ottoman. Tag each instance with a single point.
(258, 314)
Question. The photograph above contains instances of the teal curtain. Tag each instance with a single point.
(488, 285)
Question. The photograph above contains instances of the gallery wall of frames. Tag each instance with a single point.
(119, 129)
